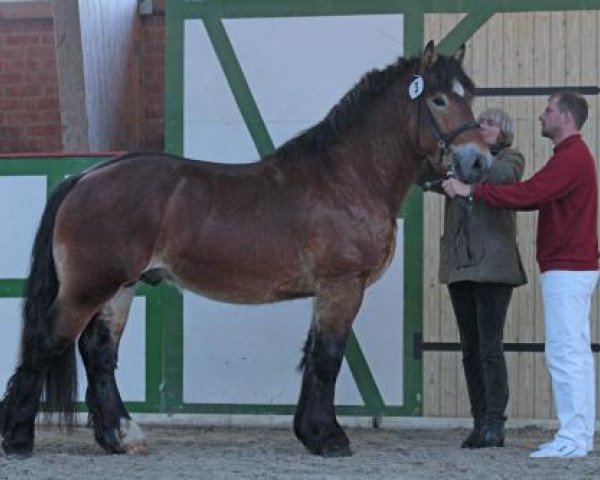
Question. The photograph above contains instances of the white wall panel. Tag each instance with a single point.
(131, 373)
(213, 128)
(314, 62)
(10, 324)
(22, 201)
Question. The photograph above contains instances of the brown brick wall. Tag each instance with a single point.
(29, 93)
(153, 83)
(29, 101)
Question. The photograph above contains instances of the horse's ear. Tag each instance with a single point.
(459, 55)
(429, 56)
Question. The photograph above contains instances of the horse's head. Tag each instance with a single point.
(447, 134)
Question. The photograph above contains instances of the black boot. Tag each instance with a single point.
(473, 438)
(492, 433)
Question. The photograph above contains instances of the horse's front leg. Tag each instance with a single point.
(315, 424)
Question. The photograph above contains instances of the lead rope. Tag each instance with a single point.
(468, 219)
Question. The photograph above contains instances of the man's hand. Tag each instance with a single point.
(454, 188)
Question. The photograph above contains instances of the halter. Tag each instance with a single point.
(444, 139)
(443, 145)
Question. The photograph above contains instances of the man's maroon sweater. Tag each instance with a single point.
(566, 194)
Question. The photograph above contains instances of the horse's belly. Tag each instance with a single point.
(246, 291)
(235, 284)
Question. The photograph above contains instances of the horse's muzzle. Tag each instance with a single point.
(470, 164)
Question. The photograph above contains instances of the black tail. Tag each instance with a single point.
(59, 388)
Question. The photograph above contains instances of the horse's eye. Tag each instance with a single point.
(439, 101)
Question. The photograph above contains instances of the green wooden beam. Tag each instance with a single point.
(412, 212)
(363, 377)
(174, 80)
(464, 30)
(239, 86)
(285, 8)
(504, 6)
(165, 315)
(413, 299)
(292, 8)
(12, 287)
(414, 25)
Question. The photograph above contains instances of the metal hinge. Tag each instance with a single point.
(418, 345)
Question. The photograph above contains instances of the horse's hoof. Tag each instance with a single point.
(336, 451)
(331, 450)
(17, 451)
(136, 449)
(132, 439)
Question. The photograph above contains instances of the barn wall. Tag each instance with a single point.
(152, 83)
(512, 50)
(126, 106)
(29, 100)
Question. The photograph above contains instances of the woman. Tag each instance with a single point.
(481, 265)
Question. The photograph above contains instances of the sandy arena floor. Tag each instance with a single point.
(273, 453)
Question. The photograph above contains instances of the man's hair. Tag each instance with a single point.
(573, 103)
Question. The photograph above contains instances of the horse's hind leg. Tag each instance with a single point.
(21, 403)
(315, 423)
(47, 363)
(114, 429)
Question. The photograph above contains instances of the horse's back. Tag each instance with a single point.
(243, 236)
(217, 229)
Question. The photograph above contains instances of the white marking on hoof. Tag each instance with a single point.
(132, 438)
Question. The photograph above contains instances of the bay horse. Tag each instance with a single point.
(315, 218)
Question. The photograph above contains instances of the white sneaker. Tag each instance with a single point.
(552, 450)
(552, 444)
(557, 444)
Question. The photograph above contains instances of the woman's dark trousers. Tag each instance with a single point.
(480, 309)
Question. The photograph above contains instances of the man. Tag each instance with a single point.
(565, 193)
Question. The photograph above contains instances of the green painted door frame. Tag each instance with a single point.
(177, 12)
(212, 13)
(55, 169)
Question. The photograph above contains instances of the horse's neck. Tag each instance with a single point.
(383, 159)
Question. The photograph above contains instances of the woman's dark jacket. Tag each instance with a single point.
(479, 242)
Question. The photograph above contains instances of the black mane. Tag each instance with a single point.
(350, 110)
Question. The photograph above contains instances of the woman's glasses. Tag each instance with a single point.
(488, 122)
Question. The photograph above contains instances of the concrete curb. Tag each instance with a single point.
(285, 421)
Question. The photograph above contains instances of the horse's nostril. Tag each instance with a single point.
(479, 163)
(458, 170)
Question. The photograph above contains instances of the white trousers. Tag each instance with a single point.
(567, 297)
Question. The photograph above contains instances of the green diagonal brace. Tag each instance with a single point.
(364, 378)
(260, 135)
(238, 85)
(463, 31)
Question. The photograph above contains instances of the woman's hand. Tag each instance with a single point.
(454, 188)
